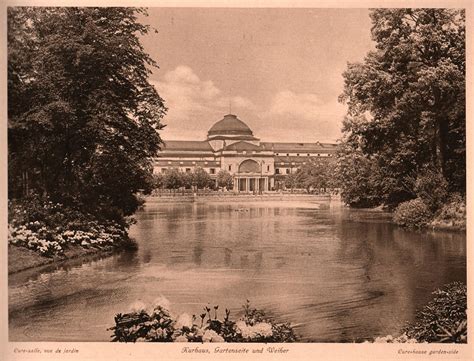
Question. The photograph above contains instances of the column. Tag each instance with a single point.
(257, 186)
(247, 184)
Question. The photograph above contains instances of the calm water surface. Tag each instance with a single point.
(339, 275)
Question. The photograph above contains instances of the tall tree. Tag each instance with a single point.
(316, 174)
(225, 179)
(201, 179)
(406, 101)
(83, 117)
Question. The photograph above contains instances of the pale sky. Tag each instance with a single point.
(280, 68)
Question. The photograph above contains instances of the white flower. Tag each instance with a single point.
(264, 329)
(200, 332)
(158, 333)
(211, 336)
(260, 329)
(184, 320)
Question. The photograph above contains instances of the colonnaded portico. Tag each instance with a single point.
(231, 146)
(249, 177)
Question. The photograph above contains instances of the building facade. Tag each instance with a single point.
(231, 145)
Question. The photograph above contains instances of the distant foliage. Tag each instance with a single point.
(175, 179)
(225, 179)
(412, 214)
(158, 325)
(201, 179)
(444, 319)
(317, 174)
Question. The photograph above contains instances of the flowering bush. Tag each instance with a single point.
(157, 325)
(49, 228)
(412, 214)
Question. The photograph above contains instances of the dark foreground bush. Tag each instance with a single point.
(412, 214)
(158, 325)
(443, 319)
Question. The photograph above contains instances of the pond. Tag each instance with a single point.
(338, 275)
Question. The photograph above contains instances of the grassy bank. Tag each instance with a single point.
(22, 259)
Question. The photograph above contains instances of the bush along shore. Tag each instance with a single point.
(442, 320)
(159, 325)
(418, 214)
(41, 232)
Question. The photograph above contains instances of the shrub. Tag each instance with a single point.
(157, 325)
(412, 214)
(49, 228)
(432, 188)
(443, 319)
(452, 214)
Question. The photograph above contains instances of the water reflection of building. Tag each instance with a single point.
(232, 146)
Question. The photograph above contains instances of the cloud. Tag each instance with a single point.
(301, 117)
(193, 104)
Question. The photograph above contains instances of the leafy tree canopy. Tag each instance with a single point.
(406, 101)
(83, 117)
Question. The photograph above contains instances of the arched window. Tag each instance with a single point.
(249, 166)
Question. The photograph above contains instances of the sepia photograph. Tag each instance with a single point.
(256, 176)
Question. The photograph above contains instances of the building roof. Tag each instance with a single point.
(300, 147)
(232, 137)
(187, 145)
(240, 146)
(230, 125)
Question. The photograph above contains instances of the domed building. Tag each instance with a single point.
(232, 146)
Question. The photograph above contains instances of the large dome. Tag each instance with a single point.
(230, 125)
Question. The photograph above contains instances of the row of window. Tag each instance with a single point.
(213, 170)
(308, 155)
(277, 171)
(188, 170)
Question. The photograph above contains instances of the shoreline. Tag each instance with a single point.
(231, 197)
(22, 259)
